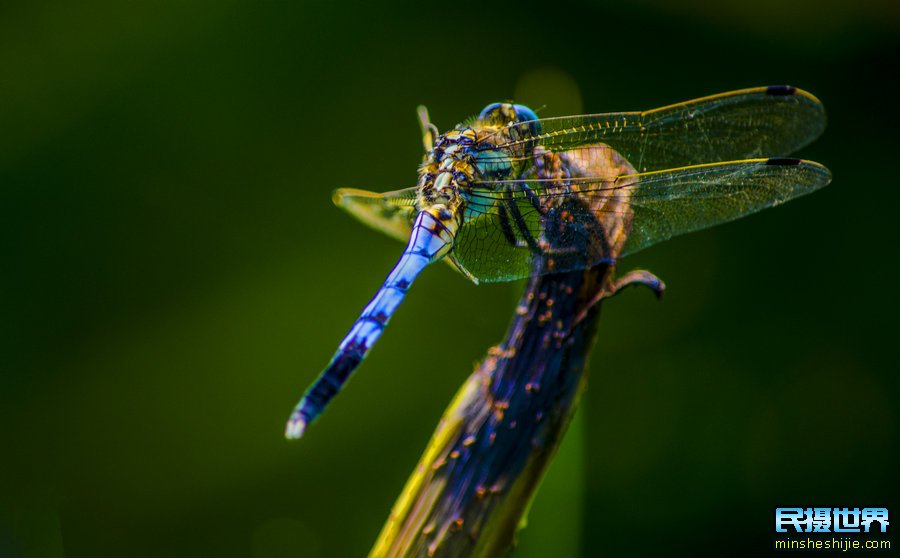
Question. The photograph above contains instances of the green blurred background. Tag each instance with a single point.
(174, 275)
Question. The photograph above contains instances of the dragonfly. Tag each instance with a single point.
(507, 195)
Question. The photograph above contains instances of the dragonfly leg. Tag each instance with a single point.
(510, 235)
(533, 199)
(503, 217)
(522, 227)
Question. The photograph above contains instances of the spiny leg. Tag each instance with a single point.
(522, 227)
(503, 217)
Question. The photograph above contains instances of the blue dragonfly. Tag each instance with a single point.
(506, 195)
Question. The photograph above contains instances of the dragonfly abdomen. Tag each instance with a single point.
(429, 240)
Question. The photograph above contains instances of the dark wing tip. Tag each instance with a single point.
(784, 162)
(780, 90)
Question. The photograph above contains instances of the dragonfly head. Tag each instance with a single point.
(504, 121)
(504, 114)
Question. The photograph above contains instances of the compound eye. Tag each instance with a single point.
(525, 114)
(491, 112)
(501, 114)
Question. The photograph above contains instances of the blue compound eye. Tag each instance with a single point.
(491, 112)
(500, 114)
(524, 113)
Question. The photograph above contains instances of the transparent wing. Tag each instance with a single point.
(391, 213)
(518, 227)
(757, 122)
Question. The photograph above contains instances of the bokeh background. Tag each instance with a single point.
(173, 275)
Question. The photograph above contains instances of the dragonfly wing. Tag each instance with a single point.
(518, 227)
(669, 203)
(504, 236)
(391, 213)
(757, 122)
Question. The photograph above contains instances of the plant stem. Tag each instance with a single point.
(473, 485)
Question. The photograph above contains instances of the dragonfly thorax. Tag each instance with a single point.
(447, 168)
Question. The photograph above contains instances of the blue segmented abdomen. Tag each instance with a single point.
(429, 240)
